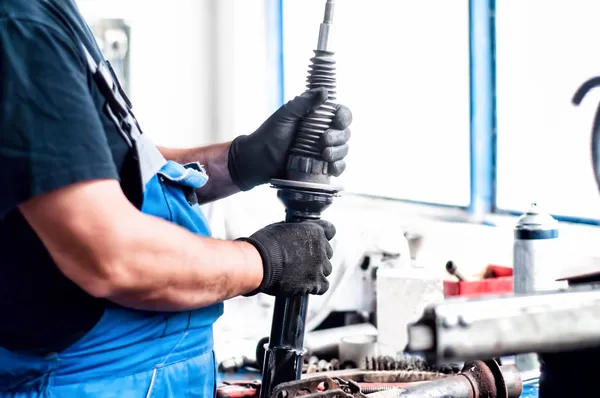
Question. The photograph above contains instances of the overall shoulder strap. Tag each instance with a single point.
(144, 160)
(148, 157)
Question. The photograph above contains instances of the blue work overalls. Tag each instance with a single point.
(133, 353)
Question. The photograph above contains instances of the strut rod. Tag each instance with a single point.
(306, 193)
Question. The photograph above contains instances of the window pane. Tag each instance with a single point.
(403, 69)
(545, 50)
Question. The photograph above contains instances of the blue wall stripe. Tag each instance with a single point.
(558, 217)
(274, 11)
(481, 34)
(280, 33)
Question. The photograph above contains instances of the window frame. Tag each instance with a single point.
(483, 129)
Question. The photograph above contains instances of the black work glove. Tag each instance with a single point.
(257, 158)
(295, 257)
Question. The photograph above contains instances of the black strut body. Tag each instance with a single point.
(306, 193)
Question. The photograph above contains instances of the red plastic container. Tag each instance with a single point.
(502, 283)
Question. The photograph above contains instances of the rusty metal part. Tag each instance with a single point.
(401, 363)
(401, 376)
(318, 387)
(460, 329)
(408, 363)
(478, 380)
(512, 380)
(370, 376)
(369, 388)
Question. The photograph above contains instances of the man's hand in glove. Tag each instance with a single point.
(257, 158)
(295, 257)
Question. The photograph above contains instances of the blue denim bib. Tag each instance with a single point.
(128, 348)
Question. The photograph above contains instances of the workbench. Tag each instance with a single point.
(530, 387)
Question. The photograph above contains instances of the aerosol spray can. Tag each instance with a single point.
(536, 263)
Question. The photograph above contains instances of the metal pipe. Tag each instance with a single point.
(325, 27)
(283, 355)
(491, 327)
(289, 317)
(478, 379)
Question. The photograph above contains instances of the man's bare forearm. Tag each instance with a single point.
(137, 260)
(214, 158)
(166, 268)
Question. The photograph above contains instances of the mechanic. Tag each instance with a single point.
(109, 281)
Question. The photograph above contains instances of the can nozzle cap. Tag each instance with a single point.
(536, 217)
(534, 208)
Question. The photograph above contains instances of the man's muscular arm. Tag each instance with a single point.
(113, 251)
(214, 158)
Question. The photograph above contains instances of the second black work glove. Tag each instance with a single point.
(257, 158)
(295, 257)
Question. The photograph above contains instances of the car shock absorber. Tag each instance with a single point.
(305, 192)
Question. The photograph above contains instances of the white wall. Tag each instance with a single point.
(246, 73)
(543, 53)
(170, 65)
(204, 62)
(404, 72)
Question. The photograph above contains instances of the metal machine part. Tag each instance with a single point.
(318, 387)
(453, 270)
(415, 288)
(543, 322)
(477, 379)
(305, 193)
(370, 376)
(408, 364)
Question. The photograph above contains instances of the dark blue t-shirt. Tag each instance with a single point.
(53, 133)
